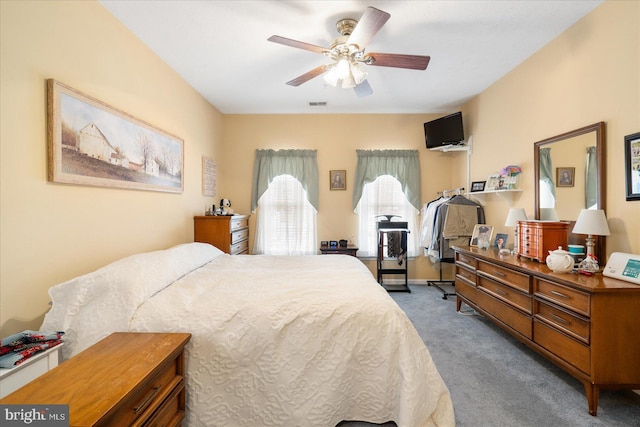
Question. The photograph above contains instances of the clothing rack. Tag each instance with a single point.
(439, 246)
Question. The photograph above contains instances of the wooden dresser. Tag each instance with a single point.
(537, 238)
(587, 325)
(227, 233)
(125, 379)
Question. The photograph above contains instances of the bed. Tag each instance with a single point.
(276, 341)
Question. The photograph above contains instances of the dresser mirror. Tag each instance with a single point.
(570, 176)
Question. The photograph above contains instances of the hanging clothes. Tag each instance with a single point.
(453, 225)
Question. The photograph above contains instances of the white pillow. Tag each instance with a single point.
(90, 307)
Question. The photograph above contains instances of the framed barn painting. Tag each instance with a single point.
(92, 143)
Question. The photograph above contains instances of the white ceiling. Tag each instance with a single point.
(221, 48)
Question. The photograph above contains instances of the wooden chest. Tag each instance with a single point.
(227, 233)
(537, 238)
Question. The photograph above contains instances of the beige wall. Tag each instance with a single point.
(590, 73)
(336, 137)
(52, 232)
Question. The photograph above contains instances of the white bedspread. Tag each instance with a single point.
(277, 341)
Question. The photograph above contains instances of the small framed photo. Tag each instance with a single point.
(477, 186)
(493, 182)
(565, 177)
(501, 241)
(632, 165)
(481, 236)
(338, 180)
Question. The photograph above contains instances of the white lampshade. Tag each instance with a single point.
(548, 214)
(592, 222)
(515, 215)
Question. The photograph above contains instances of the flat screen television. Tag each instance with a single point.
(446, 130)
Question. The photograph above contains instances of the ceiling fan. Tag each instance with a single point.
(347, 52)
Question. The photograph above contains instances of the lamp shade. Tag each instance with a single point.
(515, 215)
(592, 221)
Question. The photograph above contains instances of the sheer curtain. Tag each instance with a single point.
(591, 187)
(547, 188)
(387, 182)
(285, 193)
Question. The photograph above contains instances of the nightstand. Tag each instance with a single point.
(339, 250)
(125, 379)
(12, 379)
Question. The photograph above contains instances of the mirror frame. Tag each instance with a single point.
(599, 129)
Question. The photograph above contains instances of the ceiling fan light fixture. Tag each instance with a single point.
(331, 77)
(359, 75)
(348, 82)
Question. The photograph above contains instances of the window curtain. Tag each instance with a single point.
(403, 165)
(591, 188)
(301, 164)
(547, 187)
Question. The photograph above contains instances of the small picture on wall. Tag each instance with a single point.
(338, 180)
(565, 177)
(501, 241)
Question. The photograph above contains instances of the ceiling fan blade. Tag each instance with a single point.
(308, 76)
(368, 26)
(363, 89)
(295, 43)
(414, 62)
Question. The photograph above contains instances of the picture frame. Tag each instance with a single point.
(92, 143)
(565, 177)
(478, 186)
(338, 179)
(493, 182)
(500, 241)
(632, 165)
(481, 236)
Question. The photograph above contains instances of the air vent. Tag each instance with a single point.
(318, 104)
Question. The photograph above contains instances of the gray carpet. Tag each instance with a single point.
(495, 380)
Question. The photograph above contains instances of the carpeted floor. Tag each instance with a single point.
(495, 380)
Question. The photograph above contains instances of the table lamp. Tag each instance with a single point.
(591, 222)
(515, 215)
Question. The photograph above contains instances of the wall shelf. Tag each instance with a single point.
(507, 195)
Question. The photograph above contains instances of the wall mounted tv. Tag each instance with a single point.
(446, 130)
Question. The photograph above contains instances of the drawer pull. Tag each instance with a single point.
(497, 273)
(501, 292)
(559, 294)
(560, 319)
(146, 401)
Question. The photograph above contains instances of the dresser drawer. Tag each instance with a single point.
(466, 290)
(239, 248)
(466, 260)
(562, 319)
(508, 277)
(149, 397)
(240, 235)
(466, 275)
(506, 294)
(563, 296)
(169, 414)
(563, 346)
(529, 250)
(238, 223)
(505, 313)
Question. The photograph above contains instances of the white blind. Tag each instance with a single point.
(286, 221)
(384, 196)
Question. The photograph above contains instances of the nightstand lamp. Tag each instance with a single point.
(591, 222)
(515, 215)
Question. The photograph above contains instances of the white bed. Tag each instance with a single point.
(276, 341)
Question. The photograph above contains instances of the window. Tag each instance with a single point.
(286, 223)
(384, 196)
